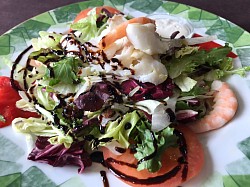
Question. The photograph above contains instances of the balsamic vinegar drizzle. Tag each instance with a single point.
(183, 149)
(17, 61)
(25, 75)
(104, 179)
(120, 149)
(152, 180)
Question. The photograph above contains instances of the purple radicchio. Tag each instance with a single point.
(98, 95)
(185, 116)
(148, 90)
(58, 155)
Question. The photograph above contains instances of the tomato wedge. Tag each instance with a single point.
(211, 45)
(171, 174)
(8, 99)
(84, 13)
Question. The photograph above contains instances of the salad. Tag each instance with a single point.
(103, 87)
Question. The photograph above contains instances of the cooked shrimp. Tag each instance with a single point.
(224, 109)
(120, 31)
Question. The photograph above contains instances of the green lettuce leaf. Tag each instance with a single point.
(116, 129)
(164, 139)
(25, 103)
(195, 91)
(60, 88)
(191, 63)
(218, 73)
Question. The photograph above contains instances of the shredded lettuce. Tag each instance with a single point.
(39, 127)
(185, 83)
(87, 26)
(46, 98)
(46, 40)
(186, 51)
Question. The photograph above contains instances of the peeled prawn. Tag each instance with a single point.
(224, 109)
(120, 31)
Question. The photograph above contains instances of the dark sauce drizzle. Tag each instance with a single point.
(120, 149)
(17, 61)
(97, 141)
(104, 179)
(183, 149)
(25, 75)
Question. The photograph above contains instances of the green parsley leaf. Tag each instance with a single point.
(65, 71)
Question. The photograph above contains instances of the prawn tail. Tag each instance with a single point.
(224, 109)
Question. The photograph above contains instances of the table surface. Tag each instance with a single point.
(13, 12)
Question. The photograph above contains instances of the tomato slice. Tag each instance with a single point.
(210, 45)
(84, 13)
(123, 168)
(8, 99)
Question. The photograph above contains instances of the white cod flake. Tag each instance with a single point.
(150, 70)
(125, 56)
(144, 38)
(166, 27)
(118, 45)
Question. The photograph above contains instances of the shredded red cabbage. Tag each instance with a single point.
(58, 155)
